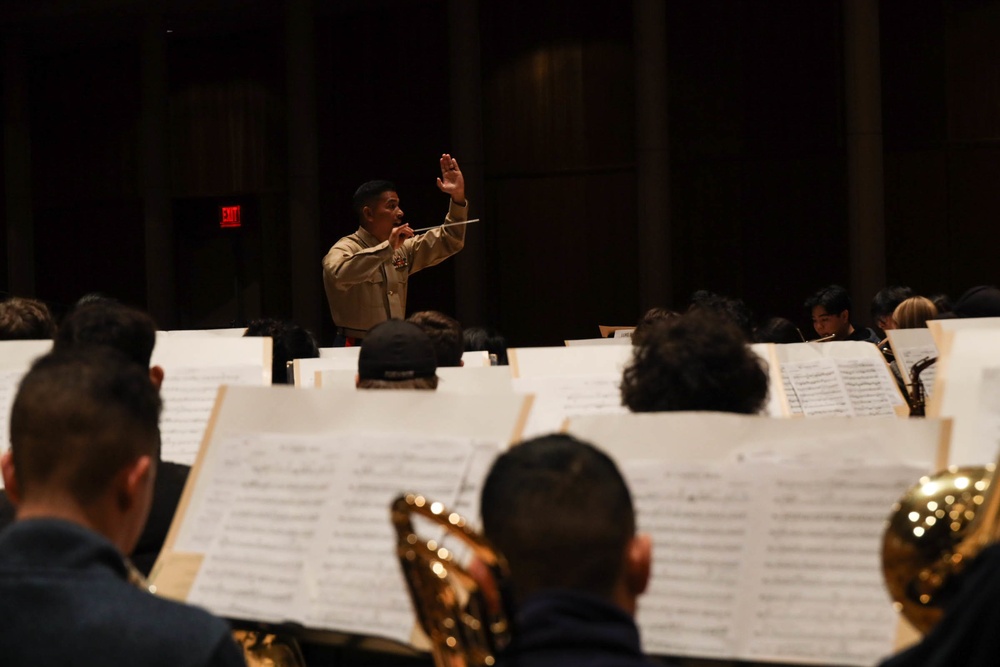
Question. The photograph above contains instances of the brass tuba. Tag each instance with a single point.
(935, 529)
(465, 630)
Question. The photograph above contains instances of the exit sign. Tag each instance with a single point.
(229, 216)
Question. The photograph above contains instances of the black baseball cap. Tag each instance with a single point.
(396, 350)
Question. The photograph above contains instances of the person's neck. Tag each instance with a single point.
(381, 235)
(67, 509)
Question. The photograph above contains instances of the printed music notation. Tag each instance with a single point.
(296, 527)
(767, 562)
(843, 387)
(188, 398)
(9, 381)
(560, 398)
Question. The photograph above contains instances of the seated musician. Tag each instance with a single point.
(397, 355)
(108, 324)
(830, 309)
(561, 513)
(884, 305)
(289, 342)
(84, 452)
(696, 361)
(446, 335)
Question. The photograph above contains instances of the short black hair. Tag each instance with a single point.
(834, 300)
(369, 193)
(886, 299)
(289, 342)
(79, 417)
(486, 339)
(559, 510)
(107, 323)
(445, 333)
(698, 361)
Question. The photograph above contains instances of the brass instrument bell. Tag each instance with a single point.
(935, 529)
(464, 628)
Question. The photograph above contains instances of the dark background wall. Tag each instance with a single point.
(758, 182)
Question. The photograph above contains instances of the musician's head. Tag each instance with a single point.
(561, 513)
(648, 319)
(397, 355)
(914, 312)
(289, 341)
(108, 324)
(884, 304)
(85, 443)
(698, 361)
(25, 319)
(445, 333)
(778, 330)
(486, 339)
(734, 310)
(830, 309)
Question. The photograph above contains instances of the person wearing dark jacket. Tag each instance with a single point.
(84, 451)
(560, 512)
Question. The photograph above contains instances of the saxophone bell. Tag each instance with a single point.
(452, 606)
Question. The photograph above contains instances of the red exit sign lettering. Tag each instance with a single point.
(229, 216)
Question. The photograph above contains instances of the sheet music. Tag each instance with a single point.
(188, 397)
(767, 562)
(989, 405)
(559, 398)
(697, 518)
(303, 531)
(846, 387)
(794, 405)
(814, 592)
(9, 381)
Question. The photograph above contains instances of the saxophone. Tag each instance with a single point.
(917, 397)
(466, 628)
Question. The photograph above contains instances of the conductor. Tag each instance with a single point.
(366, 273)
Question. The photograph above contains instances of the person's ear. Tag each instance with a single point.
(10, 484)
(133, 481)
(461, 362)
(366, 214)
(156, 376)
(638, 563)
(357, 380)
(845, 316)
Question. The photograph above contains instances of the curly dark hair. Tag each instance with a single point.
(698, 361)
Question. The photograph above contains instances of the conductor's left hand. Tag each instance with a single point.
(451, 181)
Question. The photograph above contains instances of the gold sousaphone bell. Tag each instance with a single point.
(464, 628)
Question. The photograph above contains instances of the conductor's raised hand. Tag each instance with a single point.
(399, 234)
(451, 181)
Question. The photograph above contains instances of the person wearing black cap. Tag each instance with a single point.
(397, 355)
